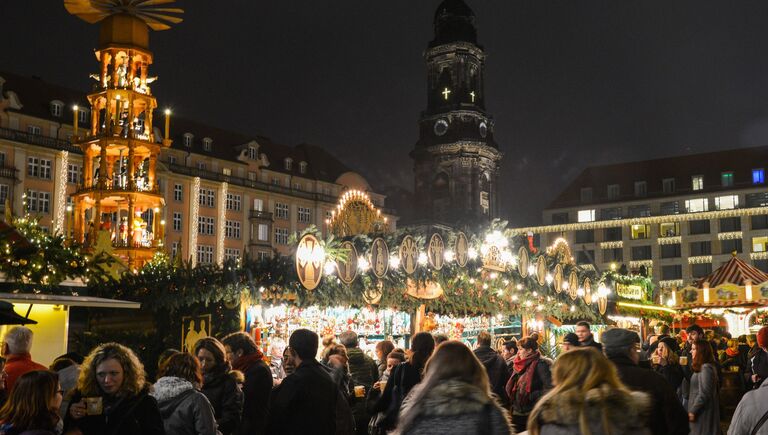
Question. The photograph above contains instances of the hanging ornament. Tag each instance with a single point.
(558, 280)
(602, 304)
(348, 268)
(372, 294)
(310, 257)
(461, 249)
(409, 254)
(436, 252)
(379, 257)
(522, 262)
(541, 270)
(587, 291)
(573, 285)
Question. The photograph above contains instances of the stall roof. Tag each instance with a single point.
(72, 301)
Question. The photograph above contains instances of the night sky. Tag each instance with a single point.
(569, 83)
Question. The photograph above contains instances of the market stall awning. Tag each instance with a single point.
(734, 284)
(72, 301)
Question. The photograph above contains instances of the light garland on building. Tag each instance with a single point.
(612, 245)
(673, 240)
(701, 259)
(61, 194)
(670, 283)
(646, 307)
(635, 264)
(718, 214)
(759, 255)
(222, 223)
(194, 199)
(730, 235)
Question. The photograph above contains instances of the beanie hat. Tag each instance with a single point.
(762, 337)
(571, 338)
(618, 338)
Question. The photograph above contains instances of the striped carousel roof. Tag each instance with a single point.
(735, 272)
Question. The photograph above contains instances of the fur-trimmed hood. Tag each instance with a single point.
(449, 398)
(625, 411)
(168, 387)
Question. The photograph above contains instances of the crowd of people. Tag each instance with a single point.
(668, 385)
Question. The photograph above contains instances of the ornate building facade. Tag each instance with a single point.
(456, 159)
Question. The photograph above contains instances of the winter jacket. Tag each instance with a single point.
(364, 372)
(226, 397)
(122, 416)
(672, 373)
(401, 381)
(592, 343)
(540, 385)
(759, 363)
(704, 402)
(454, 407)
(16, 365)
(667, 416)
(256, 392)
(185, 410)
(626, 414)
(497, 369)
(345, 421)
(305, 402)
(750, 410)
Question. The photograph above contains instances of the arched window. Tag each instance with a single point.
(288, 163)
(188, 139)
(303, 167)
(207, 144)
(56, 108)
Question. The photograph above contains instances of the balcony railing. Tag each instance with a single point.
(258, 214)
(8, 173)
(38, 139)
(262, 243)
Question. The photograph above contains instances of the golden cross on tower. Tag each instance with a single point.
(472, 95)
(446, 92)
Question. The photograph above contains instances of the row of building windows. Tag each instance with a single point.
(696, 249)
(672, 271)
(668, 185)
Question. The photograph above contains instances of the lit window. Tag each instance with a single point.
(613, 191)
(253, 153)
(727, 202)
(288, 164)
(586, 215)
(758, 176)
(263, 232)
(668, 185)
(696, 205)
(641, 232)
(188, 139)
(641, 188)
(669, 229)
(56, 108)
(226, 171)
(726, 179)
(759, 244)
(697, 181)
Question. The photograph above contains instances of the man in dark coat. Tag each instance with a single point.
(667, 416)
(495, 366)
(305, 402)
(364, 373)
(247, 358)
(585, 336)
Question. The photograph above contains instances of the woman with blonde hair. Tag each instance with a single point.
(454, 397)
(665, 362)
(112, 396)
(588, 399)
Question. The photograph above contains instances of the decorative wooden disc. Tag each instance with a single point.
(423, 290)
(348, 269)
(522, 262)
(436, 251)
(541, 270)
(602, 304)
(558, 278)
(587, 291)
(379, 257)
(573, 285)
(309, 262)
(409, 255)
(372, 295)
(461, 249)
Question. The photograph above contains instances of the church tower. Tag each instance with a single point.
(456, 159)
(119, 203)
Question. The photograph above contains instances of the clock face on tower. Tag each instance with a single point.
(441, 127)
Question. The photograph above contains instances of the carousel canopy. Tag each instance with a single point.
(735, 272)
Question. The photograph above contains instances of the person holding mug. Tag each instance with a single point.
(665, 362)
(112, 396)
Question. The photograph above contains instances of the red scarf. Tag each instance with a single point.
(732, 352)
(246, 361)
(519, 390)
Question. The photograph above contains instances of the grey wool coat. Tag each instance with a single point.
(456, 408)
(626, 413)
(704, 402)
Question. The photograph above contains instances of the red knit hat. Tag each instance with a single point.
(762, 337)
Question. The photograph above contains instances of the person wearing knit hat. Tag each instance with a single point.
(667, 417)
(570, 341)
